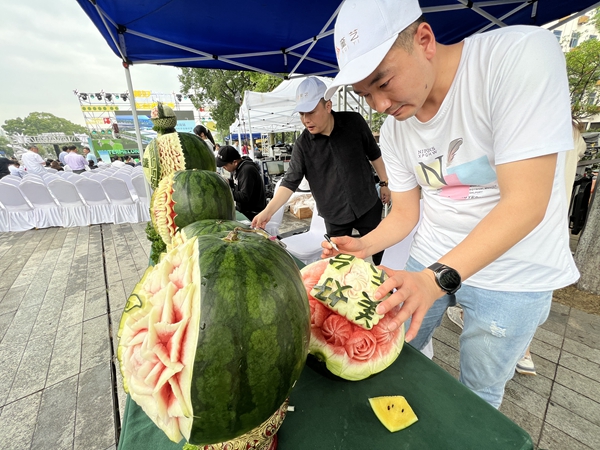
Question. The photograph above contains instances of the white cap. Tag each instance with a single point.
(365, 30)
(308, 94)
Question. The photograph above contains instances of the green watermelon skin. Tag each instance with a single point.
(210, 226)
(254, 334)
(201, 194)
(193, 151)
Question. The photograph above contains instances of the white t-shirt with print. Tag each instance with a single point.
(509, 101)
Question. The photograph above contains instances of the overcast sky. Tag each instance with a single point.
(49, 48)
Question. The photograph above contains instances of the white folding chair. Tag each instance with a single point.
(101, 209)
(51, 170)
(87, 173)
(76, 212)
(20, 213)
(126, 177)
(47, 210)
(120, 197)
(140, 184)
(307, 246)
(68, 175)
(4, 225)
(272, 227)
(98, 177)
(11, 180)
(396, 256)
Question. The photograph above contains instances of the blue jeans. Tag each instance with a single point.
(498, 328)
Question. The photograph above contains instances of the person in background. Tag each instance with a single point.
(129, 161)
(246, 183)
(204, 133)
(87, 153)
(75, 161)
(15, 169)
(468, 124)
(117, 162)
(56, 166)
(33, 162)
(102, 163)
(333, 153)
(5, 163)
(61, 155)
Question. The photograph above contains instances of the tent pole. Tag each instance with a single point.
(138, 133)
(251, 149)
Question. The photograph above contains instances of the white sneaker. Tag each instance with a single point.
(525, 366)
(455, 314)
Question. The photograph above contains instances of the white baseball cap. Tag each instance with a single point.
(365, 30)
(308, 94)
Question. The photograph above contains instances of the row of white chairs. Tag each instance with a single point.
(51, 201)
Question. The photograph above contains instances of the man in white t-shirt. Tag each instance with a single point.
(33, 162)
(469, 123)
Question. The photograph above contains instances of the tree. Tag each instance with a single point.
(41, 122)
(583, 70)
(5, 146)
(223, 91)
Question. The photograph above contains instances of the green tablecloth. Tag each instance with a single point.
(331, 414)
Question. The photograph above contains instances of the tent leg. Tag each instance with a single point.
(138, 133)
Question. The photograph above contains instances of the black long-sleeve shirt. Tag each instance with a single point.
(249, 192)
(337, 168)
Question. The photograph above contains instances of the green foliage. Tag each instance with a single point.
(223, 91)
(158, 246)
(4, 146)
(377, 121)
(40, 122)
(583, 71)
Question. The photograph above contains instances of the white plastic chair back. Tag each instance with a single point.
(98, 177)
(101, 209)
(126, 210)
(396, 256)
(51, 170)
(143, 201)
(66, 168)
(21, 216)
(69, 176)
(12, 177)
(307, 246)
(11, 180)
(272, 227)
(87, 173)
(75, 211)
(47, 211)
(126, 177)
(4, 223)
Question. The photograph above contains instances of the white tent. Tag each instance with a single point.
(273, 112)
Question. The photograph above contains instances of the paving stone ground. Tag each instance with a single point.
(62, 291)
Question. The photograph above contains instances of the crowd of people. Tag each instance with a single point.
(32, 162)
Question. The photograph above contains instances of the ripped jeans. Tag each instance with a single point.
(498, 328)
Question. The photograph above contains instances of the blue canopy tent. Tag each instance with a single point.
(284, 38)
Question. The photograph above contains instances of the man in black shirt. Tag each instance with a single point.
(248, 188)
(4, 163)
(333, 153)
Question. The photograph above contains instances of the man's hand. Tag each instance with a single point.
(417, 291)
(385, 194)
(261, 219)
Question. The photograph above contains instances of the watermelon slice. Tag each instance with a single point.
(347, 334)
(394, 412)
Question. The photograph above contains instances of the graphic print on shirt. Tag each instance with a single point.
(458, 182)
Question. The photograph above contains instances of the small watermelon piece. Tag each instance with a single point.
(347, 334)
(394, 412)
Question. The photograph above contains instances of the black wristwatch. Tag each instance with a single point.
(383, 183)
(446, 277)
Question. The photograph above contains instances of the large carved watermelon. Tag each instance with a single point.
(202, 227)
(347, 334)
(171, 151)
(214, 336)
(187, 196)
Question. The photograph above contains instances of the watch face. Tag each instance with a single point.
(449, 279)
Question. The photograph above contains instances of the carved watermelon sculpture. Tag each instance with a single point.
(202, 227)
(171, 151)
(346, 333)
(187, 196)
(214, 336)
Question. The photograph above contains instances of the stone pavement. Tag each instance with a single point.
(61, 296)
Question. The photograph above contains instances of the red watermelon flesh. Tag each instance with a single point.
(348, 349)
